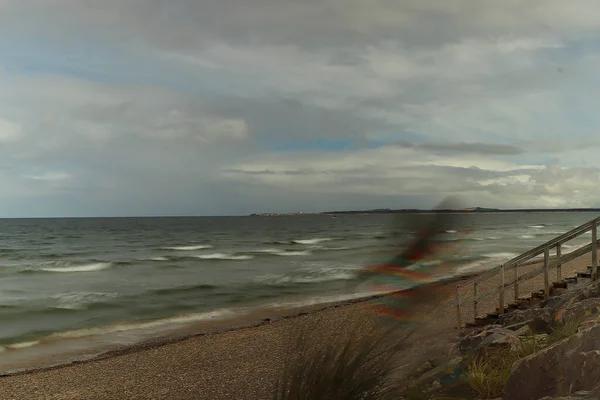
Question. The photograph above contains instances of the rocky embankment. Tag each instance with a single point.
(548, 351)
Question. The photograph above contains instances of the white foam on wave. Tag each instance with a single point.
(80, 268)
(573, 247)
(22, 345)
(280, 252)
(537, 226)
(127, 327)
(80, 300)
(268, 251)
(335, 248)
(341, 276)
(475, 266)
(451, 231)
(502, 255)
(157, 259)
(526, 237)
(311, 275)
(190, 247)
(325, 299)
(311, 241)
(294, 253)
(223, 256)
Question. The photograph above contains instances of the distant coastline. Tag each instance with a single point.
(471, 210)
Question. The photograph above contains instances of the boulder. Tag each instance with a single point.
(582, 310)
(566, 367)
(581, 395)
(491, 336)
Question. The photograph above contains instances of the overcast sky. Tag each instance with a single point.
(215, 107)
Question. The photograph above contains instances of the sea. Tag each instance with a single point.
(76, 285)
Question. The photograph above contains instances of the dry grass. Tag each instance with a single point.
(564, 330)
(355, 364)
(489, 372)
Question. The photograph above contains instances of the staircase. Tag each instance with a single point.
(555, 263)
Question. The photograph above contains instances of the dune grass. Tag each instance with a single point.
(355, 363)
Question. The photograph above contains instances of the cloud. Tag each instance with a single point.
(9, 131)
(218, 107)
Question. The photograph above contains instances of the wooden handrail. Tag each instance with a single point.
(532, 274)
(565, 237)
(547, 264)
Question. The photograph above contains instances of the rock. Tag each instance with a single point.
(554, 302)
(445, 373)
(542, 319)
(581, 310)
(490, 336)
(541, 325)
(436, 385)
(590, 291)
(426, 366)
(514, 317)
(546, 314)
(566, 367)
(582, 395)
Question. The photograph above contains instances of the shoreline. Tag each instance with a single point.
(215, 327)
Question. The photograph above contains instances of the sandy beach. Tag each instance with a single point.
(239, 362)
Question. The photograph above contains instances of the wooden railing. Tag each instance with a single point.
(500, 271)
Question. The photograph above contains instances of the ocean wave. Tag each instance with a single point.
(294, 253)
(312, 241)
(540, 226)
(157, 259)
(267, 251)
(223, 256)
(325, 299)
(126, 327)
(502, 255)
(81, 300)
(310, 275)
(21, 345)
(188, 288)
(98, 266)
(189, 247)
(341, 248)
(573, 247)
(475, 266)
(527, 237)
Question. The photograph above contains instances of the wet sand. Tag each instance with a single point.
(239, 362)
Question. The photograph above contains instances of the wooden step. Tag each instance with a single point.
(538, 295)
(561, 284)
(571, 279)
(584, 275)
(492, 316)
(525, 299)
(482, 320)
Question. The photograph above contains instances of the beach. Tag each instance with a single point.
(232, 362)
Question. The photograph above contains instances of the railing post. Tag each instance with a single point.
(594, 250)
(458, 316)
(547, 271)
(558, 263)
(475, 294)
(516, 283)
(501, 299)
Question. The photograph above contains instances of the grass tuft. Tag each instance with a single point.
(349, 364)
(489, 372)
(563, 330)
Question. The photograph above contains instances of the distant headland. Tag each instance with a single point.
(470, 210)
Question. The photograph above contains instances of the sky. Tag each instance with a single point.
(229, 107)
